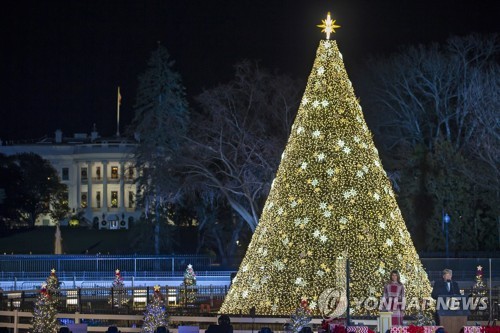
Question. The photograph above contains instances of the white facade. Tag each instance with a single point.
(99, 173)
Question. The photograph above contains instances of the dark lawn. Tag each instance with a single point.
(40, 240)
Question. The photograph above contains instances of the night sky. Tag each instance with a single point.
(61, 61)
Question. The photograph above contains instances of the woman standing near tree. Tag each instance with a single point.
(393, 298)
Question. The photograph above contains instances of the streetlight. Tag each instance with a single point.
(446, 221)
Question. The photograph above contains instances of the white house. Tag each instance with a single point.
(99, 173)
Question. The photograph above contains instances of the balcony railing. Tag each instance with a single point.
(118, 299)
(111, 180)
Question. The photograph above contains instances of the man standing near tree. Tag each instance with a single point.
(445, 288)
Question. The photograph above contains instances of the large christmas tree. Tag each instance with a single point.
(331, 199)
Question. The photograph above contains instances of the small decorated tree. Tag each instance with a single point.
(118, 293)
(44, 313)
(53, 286)
(52, 281)
(300, 318)
(423, 318)
(189, 276)
(118, 281)
(188, 293)
(479, 288)
(156, 314)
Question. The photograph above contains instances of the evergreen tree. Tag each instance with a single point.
(160, 122)
(188, 293)
(155, 315)
(119, 294)
(330, 195)
(479, 288)
(439, 133)
(53, 284)
(452, 194)
(300, 318)
(44, 313)
(189, 276)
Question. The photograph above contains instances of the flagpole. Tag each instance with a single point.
(118, 102)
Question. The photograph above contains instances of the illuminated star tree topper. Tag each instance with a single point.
(328, 26)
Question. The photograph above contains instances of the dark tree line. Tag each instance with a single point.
(433, 111)
(29, 187)
(237, 136)
(209, 163)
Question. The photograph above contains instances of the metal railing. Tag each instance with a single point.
(464, 269)
(120, 300)
(100, 265)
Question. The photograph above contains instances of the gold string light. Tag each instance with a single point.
(330, 196)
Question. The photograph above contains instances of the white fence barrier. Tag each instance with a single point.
(14, 321)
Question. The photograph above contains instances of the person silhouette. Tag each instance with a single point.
(442, 289)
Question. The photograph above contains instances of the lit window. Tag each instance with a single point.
(83, 200)
(114, 172)
(114, 199)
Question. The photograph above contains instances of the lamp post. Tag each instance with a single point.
(446, 221)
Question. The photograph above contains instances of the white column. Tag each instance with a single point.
(105, 185)
(384, 321)
(89, 186)
(122, 187)
(78, 187)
